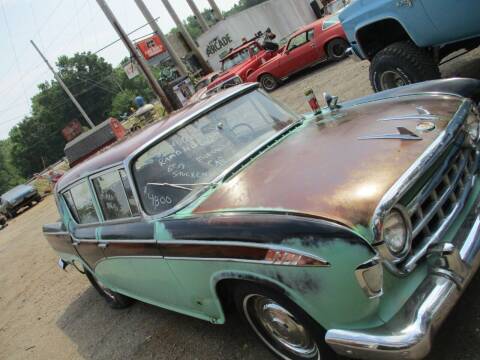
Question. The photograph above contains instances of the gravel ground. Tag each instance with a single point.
(49, 314)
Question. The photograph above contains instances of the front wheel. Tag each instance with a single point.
(281, 325)
(268, 82)
(400, 64)
(113, 299)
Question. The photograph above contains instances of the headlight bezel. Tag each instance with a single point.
(383, 247)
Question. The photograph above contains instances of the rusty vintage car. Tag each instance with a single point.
(353, 231)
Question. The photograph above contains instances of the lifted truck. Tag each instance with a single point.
(406, 40)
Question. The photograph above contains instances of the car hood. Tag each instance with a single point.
(322, 169)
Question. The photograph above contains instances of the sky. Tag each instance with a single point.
(64, 27)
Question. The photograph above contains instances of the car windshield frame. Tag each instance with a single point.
(196, 192)
(237, 54)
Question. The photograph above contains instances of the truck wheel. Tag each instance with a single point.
(113, 299)
(269, 83)
(281, 325)
(11, 214)
(336, 49)
(400, 64)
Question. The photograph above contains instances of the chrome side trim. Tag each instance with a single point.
(59, 233)
(136, 241)
(235, 260)
(410, 117)
(403, 134)
(361, 271)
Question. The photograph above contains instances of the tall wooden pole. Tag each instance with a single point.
(133, 51)
(216, 10)
(182, 69)
(198, 15)
(188, 38)
(65, 88)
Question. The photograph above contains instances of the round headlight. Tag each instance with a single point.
(396, 234)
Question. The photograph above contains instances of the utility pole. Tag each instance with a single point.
(140, 61)
(65, 88)
(216, 10)
(182, 69)
(188, 38)
(198, 15)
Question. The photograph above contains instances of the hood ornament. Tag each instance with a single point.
(422, 114)
(403, 134)
(331, 101)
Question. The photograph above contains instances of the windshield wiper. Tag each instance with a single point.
(182, 186)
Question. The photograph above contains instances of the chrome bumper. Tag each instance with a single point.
(408, 335)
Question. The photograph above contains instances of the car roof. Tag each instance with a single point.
(119, 151)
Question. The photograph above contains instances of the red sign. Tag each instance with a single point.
(151, 47)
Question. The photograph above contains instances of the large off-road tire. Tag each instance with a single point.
(113, 299)
(336, 49)
(281, 325)
(268, 82)
(400, 64)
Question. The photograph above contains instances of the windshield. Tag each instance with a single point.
(235, 59)
(202, 150)
(332, 20)
(17, 191)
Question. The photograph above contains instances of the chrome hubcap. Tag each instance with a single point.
(271, 320)
(268, 83)
(391, 79)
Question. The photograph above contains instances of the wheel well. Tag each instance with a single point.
(371, 43)
(325, 46)
(225, 290)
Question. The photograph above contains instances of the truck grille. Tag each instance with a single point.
(440, 200)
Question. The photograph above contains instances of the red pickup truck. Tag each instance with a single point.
(321, 40)
(239, 63)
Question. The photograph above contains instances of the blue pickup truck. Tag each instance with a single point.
(406, 40)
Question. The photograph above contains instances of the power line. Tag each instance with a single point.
(130, 33)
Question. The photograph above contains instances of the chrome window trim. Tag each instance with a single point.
(136, 241)
(59, 233)
(409, 177)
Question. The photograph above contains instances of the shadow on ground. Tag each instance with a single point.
(147, 332)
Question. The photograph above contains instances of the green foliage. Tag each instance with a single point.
(122, 103)
(9, 176)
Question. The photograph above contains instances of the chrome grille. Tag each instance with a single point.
(439, 201)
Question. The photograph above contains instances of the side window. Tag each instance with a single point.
(297, 41)
(80, 202)
(112, 196)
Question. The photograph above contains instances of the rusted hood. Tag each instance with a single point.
(322, 169)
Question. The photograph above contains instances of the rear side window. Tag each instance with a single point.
(115, 200)
(79, 200)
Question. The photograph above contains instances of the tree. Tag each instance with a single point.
(9, 176)
(37, 140)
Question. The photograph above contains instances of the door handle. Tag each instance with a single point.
(102, 245)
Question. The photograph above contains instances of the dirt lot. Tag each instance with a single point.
(49, 314)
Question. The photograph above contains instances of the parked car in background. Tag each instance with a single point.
(321, 40)
(17, 198)
(206, 80)
(355, 230)
(239, 63)
(406, 40)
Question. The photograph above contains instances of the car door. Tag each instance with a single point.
(301, 51)
(133, 263)
(83, 223)
(454, 19)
